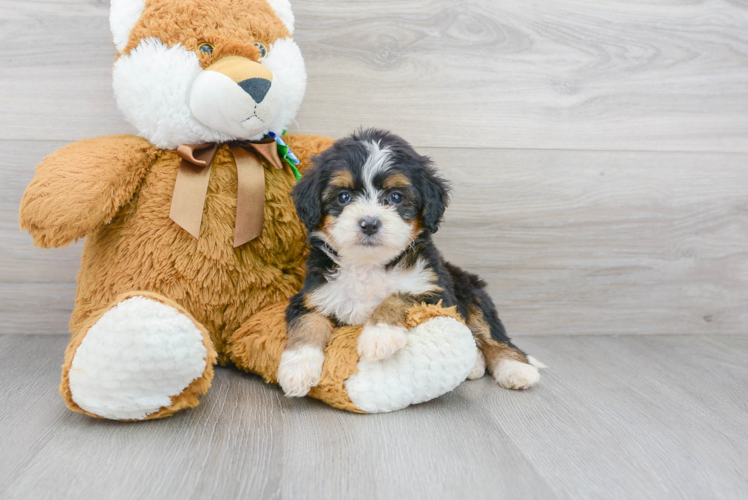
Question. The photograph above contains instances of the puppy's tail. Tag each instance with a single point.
(536, 363)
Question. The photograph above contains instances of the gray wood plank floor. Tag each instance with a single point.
(631, 417)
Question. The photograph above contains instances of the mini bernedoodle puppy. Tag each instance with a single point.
(370, 205)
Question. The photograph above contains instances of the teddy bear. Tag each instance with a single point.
(192, 243)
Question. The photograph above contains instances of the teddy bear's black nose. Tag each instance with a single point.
(256, 87)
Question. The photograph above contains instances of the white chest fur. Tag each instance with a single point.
(352, 293)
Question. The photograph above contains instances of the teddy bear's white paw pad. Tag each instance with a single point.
(135, 358)
(512, 374)
(381, 341)
(479, 369)
(437, 357)
(300, 370)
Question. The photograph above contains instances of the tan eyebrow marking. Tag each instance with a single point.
(342, 179)
(396, 181)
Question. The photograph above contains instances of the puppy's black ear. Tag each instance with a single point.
(307, 196)
(435, 197)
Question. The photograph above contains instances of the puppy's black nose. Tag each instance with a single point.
(256, 87)
(369, 225)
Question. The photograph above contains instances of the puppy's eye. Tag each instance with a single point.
(395, 198)
(205, 49)
(344, 197)
(261, 47)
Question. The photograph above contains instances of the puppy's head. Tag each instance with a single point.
(369, 196)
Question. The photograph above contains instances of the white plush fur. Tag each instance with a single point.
(152, 88)
(219, 103)
(283, 10)
(480, 367)
(353, 292)
(284, 59)
(135, 358)
(300, 370)
(123, 15)
(437, 357)
(381, 341)
(153, 83)
(513, 374)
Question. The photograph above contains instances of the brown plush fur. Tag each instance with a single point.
(192, 22)
(142, 249)
(257, 347)
(81, 186)
(117, 191)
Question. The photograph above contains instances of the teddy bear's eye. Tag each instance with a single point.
(261, 47)
(205, 48)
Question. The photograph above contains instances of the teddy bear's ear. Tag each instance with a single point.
(123, 15)
(283, 10)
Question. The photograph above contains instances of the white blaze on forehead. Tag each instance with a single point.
(376, 163)
(122, 18)
(283, 10)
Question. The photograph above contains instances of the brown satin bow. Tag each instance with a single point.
(191, 187)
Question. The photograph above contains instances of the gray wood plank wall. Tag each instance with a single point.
(598, 151)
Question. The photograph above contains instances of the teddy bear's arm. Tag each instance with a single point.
(306, 146)
(81, 186)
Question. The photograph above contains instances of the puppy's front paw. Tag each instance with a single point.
(512, 374)
(300, 370)
(480, 367)
(381, 341)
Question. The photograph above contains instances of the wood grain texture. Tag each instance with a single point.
(614, 417)
(574, 74)
(575, 242)
(570, 242)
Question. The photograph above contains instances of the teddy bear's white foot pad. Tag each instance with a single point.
(437, 357)
(135, 358)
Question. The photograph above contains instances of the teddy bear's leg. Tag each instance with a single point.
(142, 357)
(439, 354)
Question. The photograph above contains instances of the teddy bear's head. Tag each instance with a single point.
(197, 71)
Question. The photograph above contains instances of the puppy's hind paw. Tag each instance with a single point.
(300, 370)
(512, 374)
(381, 341)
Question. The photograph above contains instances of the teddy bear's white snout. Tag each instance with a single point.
(236, 96)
